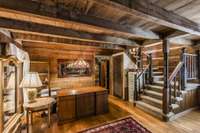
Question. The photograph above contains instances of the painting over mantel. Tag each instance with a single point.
(74, 68)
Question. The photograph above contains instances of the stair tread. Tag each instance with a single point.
(151, 99)
(153, 92)
(174, 106)
(153, 108)
(158, 72)
(158, 76)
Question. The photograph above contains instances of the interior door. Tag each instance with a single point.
(118, 75)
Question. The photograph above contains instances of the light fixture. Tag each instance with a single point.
(79, 64)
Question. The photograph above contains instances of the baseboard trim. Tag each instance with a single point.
(183, 113)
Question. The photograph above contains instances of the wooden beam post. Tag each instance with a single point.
(198, 64)
(183, 70)
(139, 57)
(150, 69)
(166, 91)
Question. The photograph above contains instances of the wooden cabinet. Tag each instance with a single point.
(101, 102)
(78, 103)
(85, 104)
(10, 94)
(66, 108)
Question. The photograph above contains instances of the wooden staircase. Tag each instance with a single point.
(159, 90)
(151, 99)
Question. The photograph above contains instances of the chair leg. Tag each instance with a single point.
(49, 115)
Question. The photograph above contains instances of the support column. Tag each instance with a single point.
(139, 57)
(183, 70)
(150, 69)
(166, 91)
(198, 64)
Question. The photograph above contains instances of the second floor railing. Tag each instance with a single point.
(191, 66)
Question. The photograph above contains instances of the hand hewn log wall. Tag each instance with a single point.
(69, 82)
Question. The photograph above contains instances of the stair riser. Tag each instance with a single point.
(155, 114)
(152, 103)
(157, 78)
(158, 84)
(154, 96)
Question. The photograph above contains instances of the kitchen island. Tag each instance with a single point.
(81, 102)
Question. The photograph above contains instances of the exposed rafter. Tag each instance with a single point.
(58, 11)
(42, 29)
(55, 40)
(150, 12)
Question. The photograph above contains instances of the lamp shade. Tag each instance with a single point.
(31, 80)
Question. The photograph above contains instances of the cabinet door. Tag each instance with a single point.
(85, 104)
(66, 108)
(101, 102)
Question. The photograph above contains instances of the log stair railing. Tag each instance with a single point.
(175, 87)
(144, 74)
(185, 70)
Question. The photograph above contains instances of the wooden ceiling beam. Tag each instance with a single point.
(64, 41)
(47, 30)
(34, 10)
(150, 12)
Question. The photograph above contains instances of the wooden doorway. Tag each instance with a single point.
(103, 73)
(118, 76)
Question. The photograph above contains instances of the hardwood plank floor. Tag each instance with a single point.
(189, 123)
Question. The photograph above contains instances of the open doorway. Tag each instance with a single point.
(102, 71)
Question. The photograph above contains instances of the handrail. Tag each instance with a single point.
(176, 70)
(143, 71)
(145, 54)
(190, 54)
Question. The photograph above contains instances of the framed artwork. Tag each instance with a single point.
(74, 68)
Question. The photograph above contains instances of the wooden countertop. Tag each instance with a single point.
(78, 91)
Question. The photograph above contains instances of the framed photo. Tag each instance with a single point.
(74, 68)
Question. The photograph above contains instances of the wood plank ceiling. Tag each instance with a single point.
(111, 25)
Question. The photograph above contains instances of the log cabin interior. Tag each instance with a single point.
(99, 66)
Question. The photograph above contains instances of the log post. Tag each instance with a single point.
(198, 64)
(166, 91)
(136, 88)
(139, 57)
(183, 70)
(150, 69)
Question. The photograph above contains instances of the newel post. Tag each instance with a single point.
(166, 91)
(150, 69)
(183, 70)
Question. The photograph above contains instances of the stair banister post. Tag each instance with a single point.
(183, 70)
(150, 69)
(166, 91)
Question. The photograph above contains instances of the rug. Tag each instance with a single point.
(125, 125)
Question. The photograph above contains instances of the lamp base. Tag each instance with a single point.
(32, 94)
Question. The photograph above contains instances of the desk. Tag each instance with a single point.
(39, 105)
(77, 103)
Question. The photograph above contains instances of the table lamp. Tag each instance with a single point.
(31, 82)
